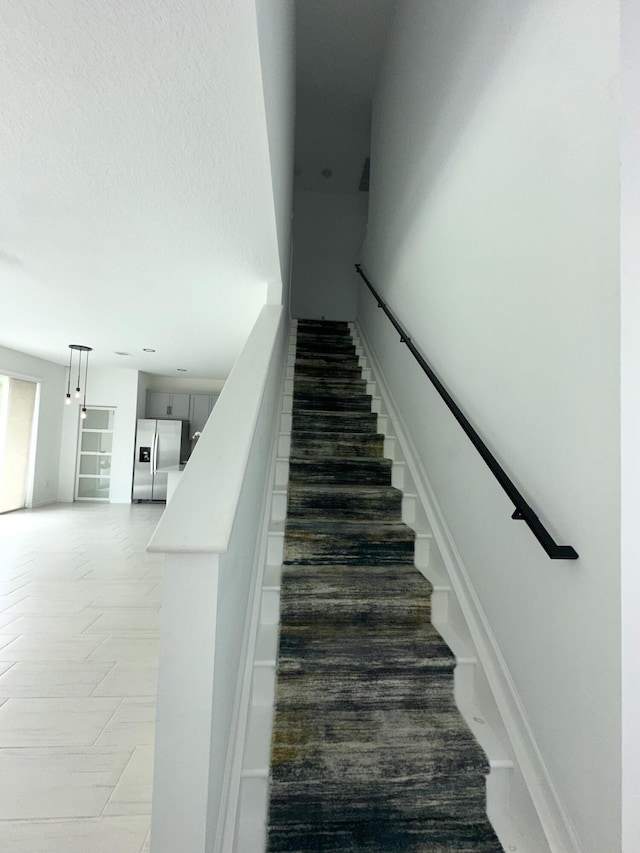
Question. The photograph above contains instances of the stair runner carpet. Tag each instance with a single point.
(369, 751)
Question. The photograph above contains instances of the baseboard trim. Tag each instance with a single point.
(559, 832)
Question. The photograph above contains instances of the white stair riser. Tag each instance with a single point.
(282, 472)
(279, 506)
(284, 445)
(286, 422)
(263, 686)
(275, 549)
(270, 606)
(422, 550)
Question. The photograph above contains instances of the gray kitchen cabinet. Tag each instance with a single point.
(162, 404)
(199, 410)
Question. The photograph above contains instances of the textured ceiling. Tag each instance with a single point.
(136, 207)
(339, 48)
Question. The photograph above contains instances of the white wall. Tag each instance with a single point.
(116, 387)
(328, 230)
(630, 359)
(185, 386)
(276, 38)
(49, 414)
(144, 383)
(493, 234)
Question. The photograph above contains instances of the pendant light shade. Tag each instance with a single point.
(80, 349)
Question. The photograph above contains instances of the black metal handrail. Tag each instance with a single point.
(523, 511)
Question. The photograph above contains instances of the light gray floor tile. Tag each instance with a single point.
(80, 590)
(106, 601)
(120, 649)
(52, 679)
(132, 794)
(133, 724)
(56, 625)
(9, 587)
(40, 783)
(31, 647)
(54, 722)
(80, 835)
(118, 587)
(129, 679)
(7, 618)
(60, 573)
(5, 640)
(45, 606)
(10, 599)
(129, 621)
(115, 570)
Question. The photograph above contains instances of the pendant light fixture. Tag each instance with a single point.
(79, 348)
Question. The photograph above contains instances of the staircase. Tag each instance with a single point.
(369, 752)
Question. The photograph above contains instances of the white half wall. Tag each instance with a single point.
(214, 538)
(328, 231)
(118, 388)
(493, 235)
(49, 406)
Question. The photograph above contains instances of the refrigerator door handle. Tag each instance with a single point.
(154, 455)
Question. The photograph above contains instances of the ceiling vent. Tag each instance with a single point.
(364, 177)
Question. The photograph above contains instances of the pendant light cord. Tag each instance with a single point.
(69, 374)
(86, 371)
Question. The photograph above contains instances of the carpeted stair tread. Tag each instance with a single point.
(344, 469)
(320, 368)
(397, 589)
(337, 348)
(308, 644)
(348, 790)
(331, 333)
(349, 542)
(335, 421)
(384, 830)
(380, 598)
(330, 444)
(316, 341)
(435, 766)
(347, 802)
(326, 401)
(343, 385)
(329, 326)
(368, 690)
(333, 360)
(382, 729)
(344, 501)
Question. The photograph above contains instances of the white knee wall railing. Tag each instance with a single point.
(211, 533)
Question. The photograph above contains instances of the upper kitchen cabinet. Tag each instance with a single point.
(162, 404)
(199, 411)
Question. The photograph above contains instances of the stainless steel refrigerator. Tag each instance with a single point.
(160, 444)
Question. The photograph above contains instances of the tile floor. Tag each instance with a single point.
(79, 628)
